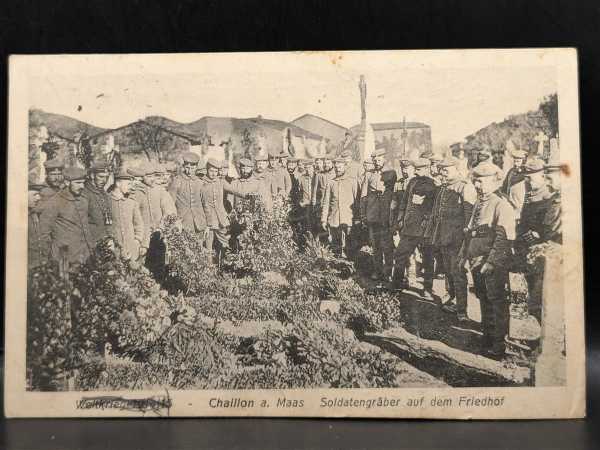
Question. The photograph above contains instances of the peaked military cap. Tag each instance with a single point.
(340, 160)
(54, 164)
(405, 162)
(74, 173)
(272, 154)
(123, 174)
(486, 169)
(260, 157)
(36, 186)
(420, 162)
(518, 154)
(190, 157)
(293, 160)
(378, 153)
(136, 171)
(213, 163)
(435, 157)
(533, 165)
(284, 155)
(171, 166)
(447, 162)
(246, 162)
(99, 166)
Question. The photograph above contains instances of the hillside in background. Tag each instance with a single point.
(521, 129)
(62, 126)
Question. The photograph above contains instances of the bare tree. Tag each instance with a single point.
(151, 138)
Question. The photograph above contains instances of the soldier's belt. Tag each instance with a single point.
(480, 231)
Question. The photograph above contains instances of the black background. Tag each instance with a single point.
(92, 26)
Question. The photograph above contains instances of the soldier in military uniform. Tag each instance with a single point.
(513, 186)
(451, 213)
(319, 185)
(340, 207)
(372, 210)
(64, 224)
(35, 251)
(127, 226)
(305, 180)
(98, 200)
(54, 180)
(540, 222)
(414, 213)
(185, 191)
(435, 160)
(488, 250)
(263, 181)
(217, 219)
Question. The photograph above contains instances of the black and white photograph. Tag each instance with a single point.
(379, 229)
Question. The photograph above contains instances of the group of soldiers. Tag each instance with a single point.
(483, 222)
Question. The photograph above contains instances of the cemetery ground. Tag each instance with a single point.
(275, 314)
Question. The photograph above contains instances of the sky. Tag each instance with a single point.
(455, 100)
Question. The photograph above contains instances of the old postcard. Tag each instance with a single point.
(336, 234)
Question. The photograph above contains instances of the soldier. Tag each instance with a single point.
(384, 242)
(137, 173)
(305, 180)
(171, 173)
(127, 227)
(371, 210)
(328, 167)
(35, 253)
(435, 160)
(64, 220)
(340, 207)
(487, 248)
(263, 182)
(274, 173)
(217, 220)
(185, 191)
(201, 173)
(54, 180)
(540, 222)
(451, 213)
(99, 214)
(513, 186)
(286, 178)
(414, 213)
(245, 184)
(319, 184)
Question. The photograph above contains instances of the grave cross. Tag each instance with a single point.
(541, 138)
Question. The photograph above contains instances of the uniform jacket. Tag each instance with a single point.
(490, 232)
(243, 186)
(212, 201)
(414, 211)
(155, 204)
(286, 181)
(514, 188)
(541, 213)
(46, 194)
(64, 222)
(451, 212)
(98, 210)
(372, 207)
(185, 191)
(127, 227)
(264, 188)
(305, 189)
(340, 201)
(318, 188)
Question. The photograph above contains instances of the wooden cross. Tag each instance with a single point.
(540, 139)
